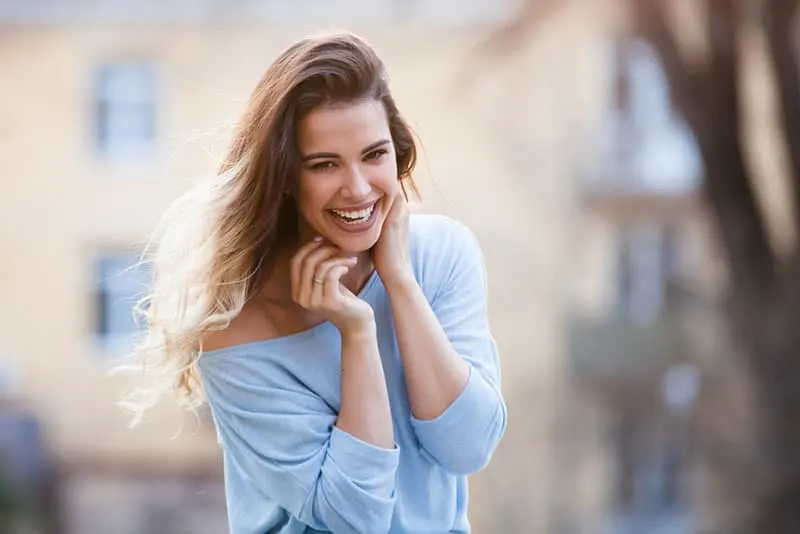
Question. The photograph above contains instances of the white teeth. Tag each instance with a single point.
(355, 216)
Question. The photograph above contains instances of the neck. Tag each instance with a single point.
(355, 279)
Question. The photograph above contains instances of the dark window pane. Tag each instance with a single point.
(125, 108)
(120, 281)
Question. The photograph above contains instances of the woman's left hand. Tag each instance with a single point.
(391, 254)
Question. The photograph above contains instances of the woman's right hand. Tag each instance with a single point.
(316, 272)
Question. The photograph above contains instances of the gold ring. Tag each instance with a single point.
(318, 281)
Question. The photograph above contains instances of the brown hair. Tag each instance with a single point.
(332, 69)
(214, 247)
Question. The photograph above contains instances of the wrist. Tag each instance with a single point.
(398, 280)
(359, 330)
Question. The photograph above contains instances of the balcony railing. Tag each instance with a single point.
(626, 161)
(617, 350)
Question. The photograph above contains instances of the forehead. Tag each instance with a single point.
(342, 127)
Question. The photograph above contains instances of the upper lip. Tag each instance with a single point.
(361, 206)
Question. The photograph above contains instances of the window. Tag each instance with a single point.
(125, 109)
(119, 282)
(649, 468)
(642, 92)
(651, 147)
(647, 264)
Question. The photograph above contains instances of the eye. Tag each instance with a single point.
(322, 165)
(376, 154)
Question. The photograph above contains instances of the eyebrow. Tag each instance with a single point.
(370, 148)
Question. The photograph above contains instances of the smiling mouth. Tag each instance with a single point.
(354, 216)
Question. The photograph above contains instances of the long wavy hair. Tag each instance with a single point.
(212, 251)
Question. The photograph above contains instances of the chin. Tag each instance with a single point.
(354, 244)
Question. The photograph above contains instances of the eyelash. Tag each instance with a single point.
(375, 154)
(321, 166)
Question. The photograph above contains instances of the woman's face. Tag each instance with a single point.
(348, 174)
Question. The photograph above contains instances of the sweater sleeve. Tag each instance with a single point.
(281, 437)
(463, 438)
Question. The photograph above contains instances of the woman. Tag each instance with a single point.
(341, 344)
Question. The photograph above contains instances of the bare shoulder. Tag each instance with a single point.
(251, 325)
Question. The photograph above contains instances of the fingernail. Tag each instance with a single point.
(318, 238)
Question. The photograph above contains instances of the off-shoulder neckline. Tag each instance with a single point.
(308, 333)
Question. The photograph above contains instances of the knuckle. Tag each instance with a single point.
(326, 265)
(323, 252)
(332, 274)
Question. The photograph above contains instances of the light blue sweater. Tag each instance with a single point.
(288, 469)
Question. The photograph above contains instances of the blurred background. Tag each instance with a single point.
(631, 168)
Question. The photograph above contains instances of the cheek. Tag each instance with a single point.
(309, 195)
(387, 177)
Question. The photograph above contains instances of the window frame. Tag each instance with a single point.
(111, 286)
(125, 127)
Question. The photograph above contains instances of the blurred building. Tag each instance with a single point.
(653, 384)
(564, 157)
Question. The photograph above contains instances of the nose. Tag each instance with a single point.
(357, 184)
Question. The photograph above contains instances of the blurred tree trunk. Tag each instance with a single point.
(764, 288)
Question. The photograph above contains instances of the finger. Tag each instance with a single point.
(306, 284)
(315, 259)
(332, 289)
(401, 203)
(318, 280)
(308, 270)
(398, 203)
(296, 264)
(322, 267)
(322, 278)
